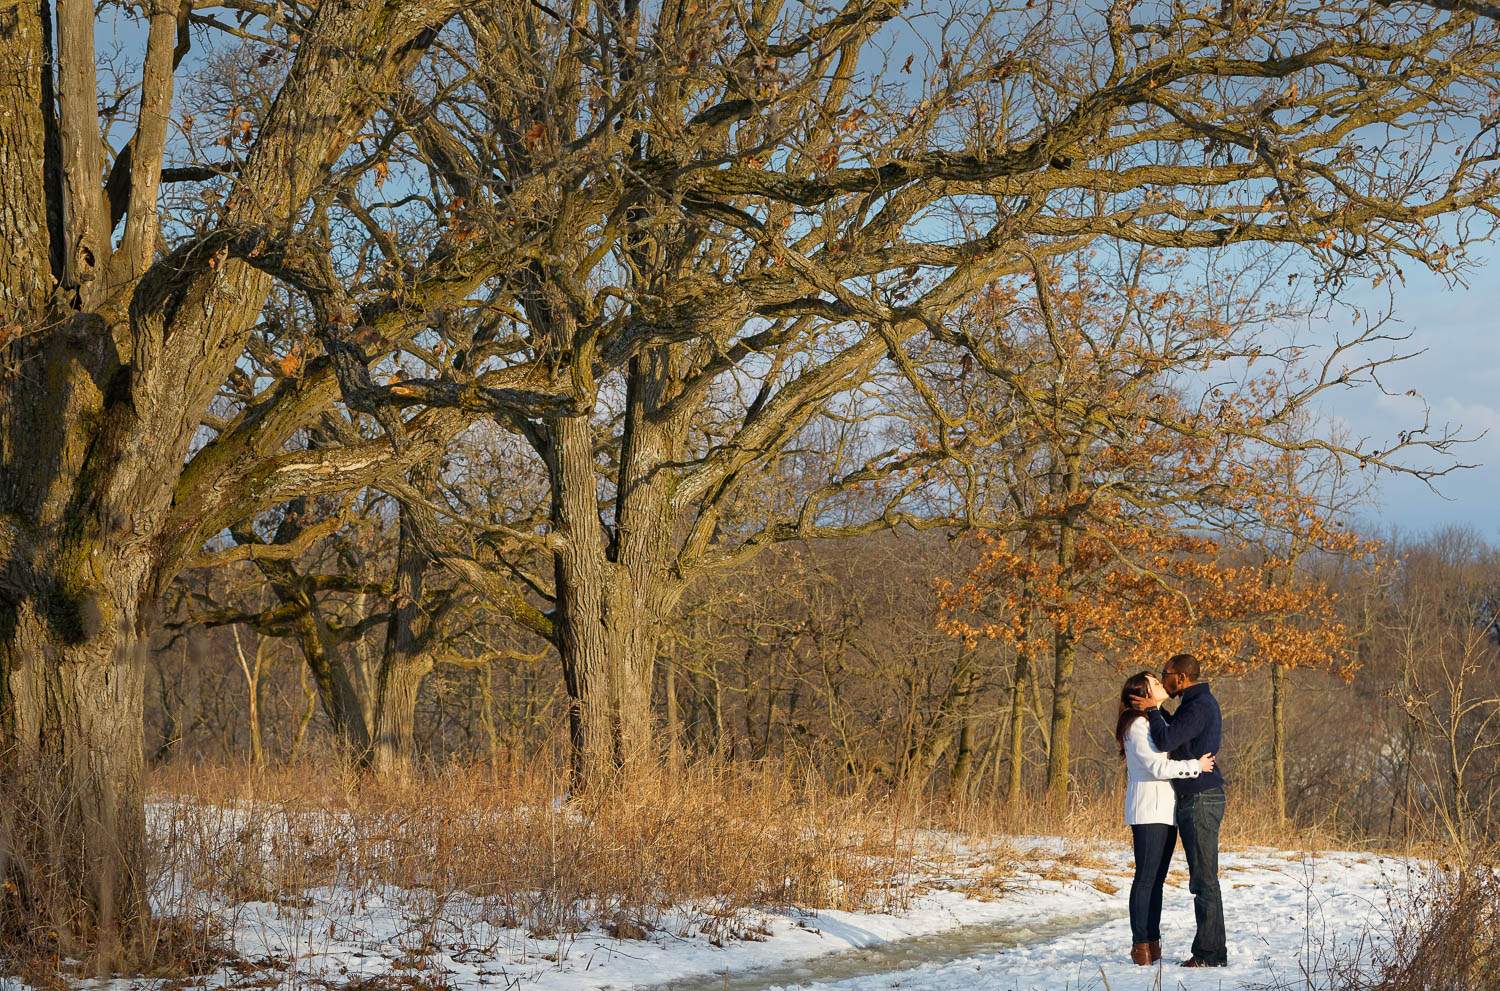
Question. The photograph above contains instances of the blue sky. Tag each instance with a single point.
(1458, 375)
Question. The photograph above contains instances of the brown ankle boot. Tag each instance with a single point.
(1155, 945)
(1140, 954)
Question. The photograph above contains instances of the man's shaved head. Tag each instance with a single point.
(1185, 665)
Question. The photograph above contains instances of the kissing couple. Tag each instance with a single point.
(1174, 788)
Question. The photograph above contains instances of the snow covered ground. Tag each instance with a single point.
(1027, 915)
(1286, 914)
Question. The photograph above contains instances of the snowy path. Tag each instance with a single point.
(854, 968)
(1283, 915)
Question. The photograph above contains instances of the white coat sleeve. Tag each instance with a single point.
(1157, 764)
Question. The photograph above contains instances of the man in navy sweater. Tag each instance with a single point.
(1193, 730)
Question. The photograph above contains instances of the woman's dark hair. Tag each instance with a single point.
(1136, 684)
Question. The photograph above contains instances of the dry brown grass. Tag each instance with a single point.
(692, 851)
(993, 880)
(1082, 856)
(1094, 816)
(1105, 885)
(469, 853)
(49, 933)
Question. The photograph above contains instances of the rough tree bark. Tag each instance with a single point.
(30, 222)
(614, 586)
(1064, 655)
(406, 661)
(73, 716)
(1015, 769)
(1278, 738)
(1059, 753)
(103, 386)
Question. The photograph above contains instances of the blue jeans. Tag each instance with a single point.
(1198, 820)
(1154, 844)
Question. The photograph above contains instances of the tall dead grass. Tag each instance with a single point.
(477, 855)
(1097, 815)
(59, 911)
(694, 851)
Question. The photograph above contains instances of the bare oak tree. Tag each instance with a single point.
(115, 349)
(718, 231)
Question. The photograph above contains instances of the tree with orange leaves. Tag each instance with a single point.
(1134, 591)
(1143, 462)
(1301, 526)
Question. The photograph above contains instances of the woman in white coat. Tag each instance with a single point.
(1151, 813)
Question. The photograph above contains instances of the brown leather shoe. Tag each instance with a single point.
(1155, 945)
(1195, 962)
(1140, 954)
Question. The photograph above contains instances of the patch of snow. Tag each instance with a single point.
(1286, 916)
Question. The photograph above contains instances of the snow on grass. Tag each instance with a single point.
(1027, 914)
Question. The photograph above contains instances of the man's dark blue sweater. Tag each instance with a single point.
(1195, 729)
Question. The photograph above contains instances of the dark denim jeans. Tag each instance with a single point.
(1154, 844)
(1198, 820)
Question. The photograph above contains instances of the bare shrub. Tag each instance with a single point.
(1440, 935)
(1446, 940)
(40, 919)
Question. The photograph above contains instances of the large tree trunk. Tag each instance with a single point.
(103, 386)
(614, 587)
(72, 713)
(963, 745)
(77, 501)
(406, 660)
(30, 220)
(607, 640)
(393, 744)
(336, 691)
